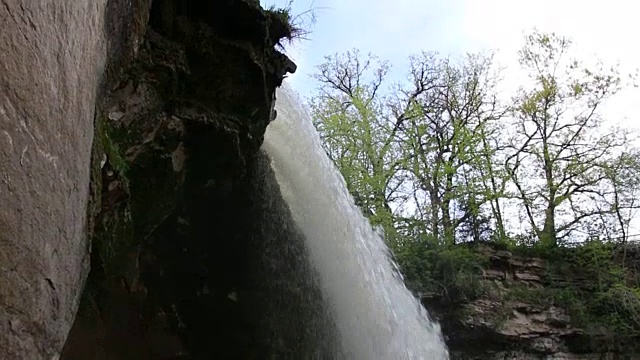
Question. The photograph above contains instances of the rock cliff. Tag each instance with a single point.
(184, 206)
(130, 135)
(51, 61)
(525, 306)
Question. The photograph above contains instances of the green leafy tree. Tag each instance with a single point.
(436, 159)
(447, 144)
(419, 144)
(357, 134)
(620, 203)
(560, 152)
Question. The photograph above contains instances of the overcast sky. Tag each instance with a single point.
(606, 29)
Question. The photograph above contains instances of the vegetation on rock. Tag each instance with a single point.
(289, 26)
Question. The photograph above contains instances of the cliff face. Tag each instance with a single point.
(530, 307)
(184, 207)
(50, 66)
(157, 197)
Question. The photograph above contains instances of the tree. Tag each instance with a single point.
(436, 159)
(560, 152)
(417, 144)
(622, 176)
(349, 114)
(454, 123)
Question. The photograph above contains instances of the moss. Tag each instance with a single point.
(112, 227)
(114, 234)
(112, 151)
(95, 185)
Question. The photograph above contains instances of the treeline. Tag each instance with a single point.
(441, 158)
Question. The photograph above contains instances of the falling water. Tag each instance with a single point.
(376, 315)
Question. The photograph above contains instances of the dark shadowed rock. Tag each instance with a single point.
(178, 122)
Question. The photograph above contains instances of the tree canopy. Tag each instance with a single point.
(441, 158)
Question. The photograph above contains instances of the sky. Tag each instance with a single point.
(606, 30)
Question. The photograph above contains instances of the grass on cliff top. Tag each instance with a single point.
(296, 27)
(597, 283)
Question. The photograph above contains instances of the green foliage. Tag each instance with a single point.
(356, 135)
(591, 284)
(559, 154)
(283, 16)
(585, 281)
(438, 153)
(113, 228)
(112, 150)
(447, 272)
(427, 146)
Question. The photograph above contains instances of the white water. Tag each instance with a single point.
(376, 316)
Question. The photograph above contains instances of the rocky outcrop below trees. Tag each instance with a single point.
(569, 304)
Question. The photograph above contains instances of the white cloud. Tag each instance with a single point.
(606, 30)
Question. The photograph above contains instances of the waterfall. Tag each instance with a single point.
(377, 317)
